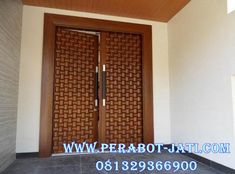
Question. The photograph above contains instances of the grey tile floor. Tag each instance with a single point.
(86, 164)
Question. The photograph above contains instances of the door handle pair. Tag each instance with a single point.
(103, 86)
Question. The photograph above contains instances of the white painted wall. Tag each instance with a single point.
(230, 6)
(202, 60)
(30, 76)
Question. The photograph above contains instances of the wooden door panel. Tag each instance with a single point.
(51, 22)
(74, 118)
(122, 115)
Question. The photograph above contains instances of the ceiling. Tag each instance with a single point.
(157, 10)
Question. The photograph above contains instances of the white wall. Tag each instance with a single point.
(202, 60)
(230, 6)
(30, 76)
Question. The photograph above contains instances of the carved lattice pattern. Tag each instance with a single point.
(124, 115)
(74, 74)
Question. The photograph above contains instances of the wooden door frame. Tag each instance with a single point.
(51, 21)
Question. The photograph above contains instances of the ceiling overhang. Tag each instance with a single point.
(156, 10)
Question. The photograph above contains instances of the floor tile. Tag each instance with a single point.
(86, 164)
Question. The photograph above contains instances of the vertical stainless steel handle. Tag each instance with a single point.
(96, 86)
(104, 85)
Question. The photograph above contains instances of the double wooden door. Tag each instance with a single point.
(97, 88)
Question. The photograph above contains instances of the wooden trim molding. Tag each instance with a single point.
(51, 21)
